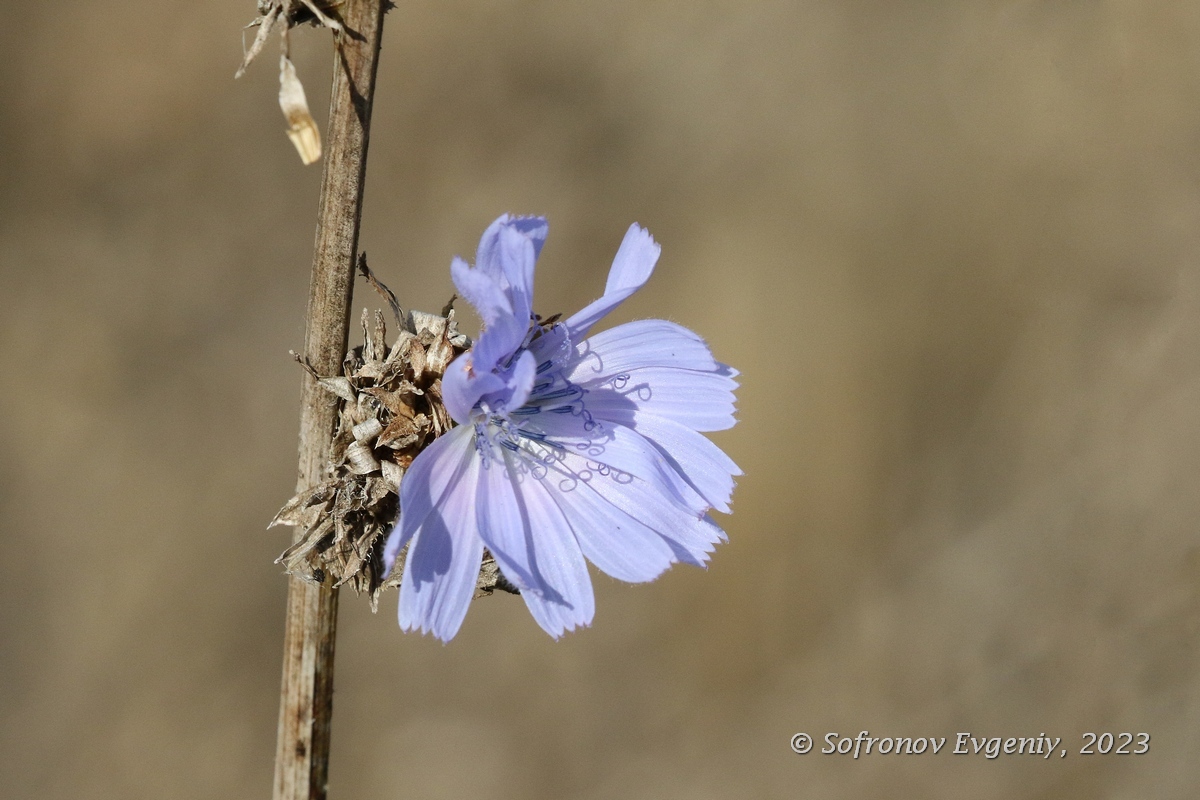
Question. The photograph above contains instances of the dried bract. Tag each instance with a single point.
(302, 128)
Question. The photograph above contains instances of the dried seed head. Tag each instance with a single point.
(390, 409)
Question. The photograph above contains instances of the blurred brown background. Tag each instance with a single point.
(953, 248)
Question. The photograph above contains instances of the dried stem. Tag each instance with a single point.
(306, 701)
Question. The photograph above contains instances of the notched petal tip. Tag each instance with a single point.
(533, 228)
(631, 268)
(634, 261)
(482, 290)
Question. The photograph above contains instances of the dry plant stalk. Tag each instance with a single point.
(310, 632)
(374, 416)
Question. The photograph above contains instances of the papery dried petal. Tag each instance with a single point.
(302, 128)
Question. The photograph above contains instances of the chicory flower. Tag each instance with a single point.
(567, 446)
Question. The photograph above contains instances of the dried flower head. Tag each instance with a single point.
(390, 408)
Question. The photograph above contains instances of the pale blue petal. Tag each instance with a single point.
(617, 542)
(620, 448)
(517, 257)
(634, 261)
(691, 537)
(552, 347)
(481, 290)
(505, 314)
(705, 466)
(488, 257)
(644, 343)
(507, 251)
(656, 366)
(694, 542)
(532, 542)
(560, 564)
(631, 269)
(497, 342)
(703, 401)
(462, 388)
(536, 229)
(435, 470)
(521, 383)
(503, 524)
(443, 561)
